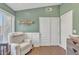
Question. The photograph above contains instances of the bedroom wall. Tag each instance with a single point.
(75, 7)
(6, 8)
(34, 14)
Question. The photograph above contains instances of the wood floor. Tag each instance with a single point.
(47, 50)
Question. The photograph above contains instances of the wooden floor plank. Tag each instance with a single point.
(47, 50)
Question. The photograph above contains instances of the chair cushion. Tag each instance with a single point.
(24, 45)
(18, 38)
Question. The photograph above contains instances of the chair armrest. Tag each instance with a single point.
(15, 49)
(14, 44)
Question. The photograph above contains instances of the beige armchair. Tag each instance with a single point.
(20, 45)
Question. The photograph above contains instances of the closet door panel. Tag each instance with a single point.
(45, 31)
(54, 31)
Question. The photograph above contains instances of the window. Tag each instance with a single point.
(6, 25)
(1, 35)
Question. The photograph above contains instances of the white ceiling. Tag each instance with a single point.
(21, 6)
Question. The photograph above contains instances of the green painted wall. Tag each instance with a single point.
(34, 14)
(75, 7)
(6, 8)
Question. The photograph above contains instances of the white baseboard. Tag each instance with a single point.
(48, 45)
(36, 45)
(44, 45)
(62, 46)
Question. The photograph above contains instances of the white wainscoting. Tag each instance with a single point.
(35, 37)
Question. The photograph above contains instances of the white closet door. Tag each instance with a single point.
(66, 27)
(45, 31)
(54, 30)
